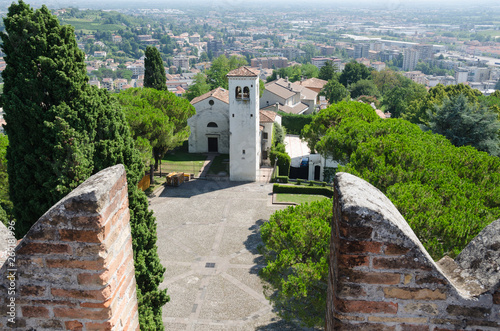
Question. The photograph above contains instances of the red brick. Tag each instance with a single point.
(355, 232)
(44, 248)
(351, 261)
(367, 307)
(46, 303)
(474, 312)
(359, 247)
(35, 311)
(31, 290)
(409, 327)
(384, 278)
(82, 294)
(414, 293)
(85, 313)
(92, 279)
(393, 249)
(496, 298)
(351, 290)
(81, 235)
(116, 203)
(342, 325)
(74, 325)
(400, 263)
(75, 264)
(123, 213)
(106, 326)
(126, 267)
(429, 279)
(104, 304)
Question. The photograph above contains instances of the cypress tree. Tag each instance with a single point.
(61, 131)
(154, 75)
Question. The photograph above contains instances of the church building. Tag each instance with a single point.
(229, 121)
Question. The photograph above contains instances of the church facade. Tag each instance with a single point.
(229, 121)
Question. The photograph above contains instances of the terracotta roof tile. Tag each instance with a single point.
(243, 72)
(267, 116)
(314, 83)
(219, 93)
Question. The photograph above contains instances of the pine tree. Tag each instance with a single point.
(61, 131)
(467, 124)
(154, 75)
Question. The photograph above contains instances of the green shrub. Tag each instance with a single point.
(298, 182)
(283, 164)
(294, 123)
(296, 252)
(281, 179)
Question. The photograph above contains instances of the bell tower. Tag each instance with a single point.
(244, 145)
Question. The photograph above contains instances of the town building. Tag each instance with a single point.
(410, 58)
(181, 62)
(275, 62)
(361, 50)
(290, 97)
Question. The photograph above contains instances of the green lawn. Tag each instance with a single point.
(220, 165)
(298, 198)
(180, 161)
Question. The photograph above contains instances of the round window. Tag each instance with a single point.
(211, 102)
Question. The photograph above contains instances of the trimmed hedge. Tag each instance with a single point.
(297, 189)
(281, 179)
(294, 123)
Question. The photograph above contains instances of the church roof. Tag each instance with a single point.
(219, 93)
(243, 72)
(267, 116)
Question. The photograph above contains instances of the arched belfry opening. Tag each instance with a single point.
(238, 92)
(246, 93)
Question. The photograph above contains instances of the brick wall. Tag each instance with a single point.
(74, 268)
(382, 278)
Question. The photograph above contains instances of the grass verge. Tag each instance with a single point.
(220, 165)
(298, 198)
(180, 161)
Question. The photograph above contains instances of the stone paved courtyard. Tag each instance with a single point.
(208, 232)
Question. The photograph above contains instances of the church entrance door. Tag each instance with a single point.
(213, 145)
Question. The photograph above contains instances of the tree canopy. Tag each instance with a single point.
(364, 87)
(353, 72)
(5, 203)
(160, 117)
(199, 87)
(446, 193)
(216, 75)
(328, 71)
(296, 252)
(61, 130)
(466, 124)
(335, 92)
(154, 74)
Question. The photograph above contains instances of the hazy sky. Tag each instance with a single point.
(389, 4)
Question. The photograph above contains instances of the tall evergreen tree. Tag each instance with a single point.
(466, 124)
(61, 131)
(154, 75)
(328, 71)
